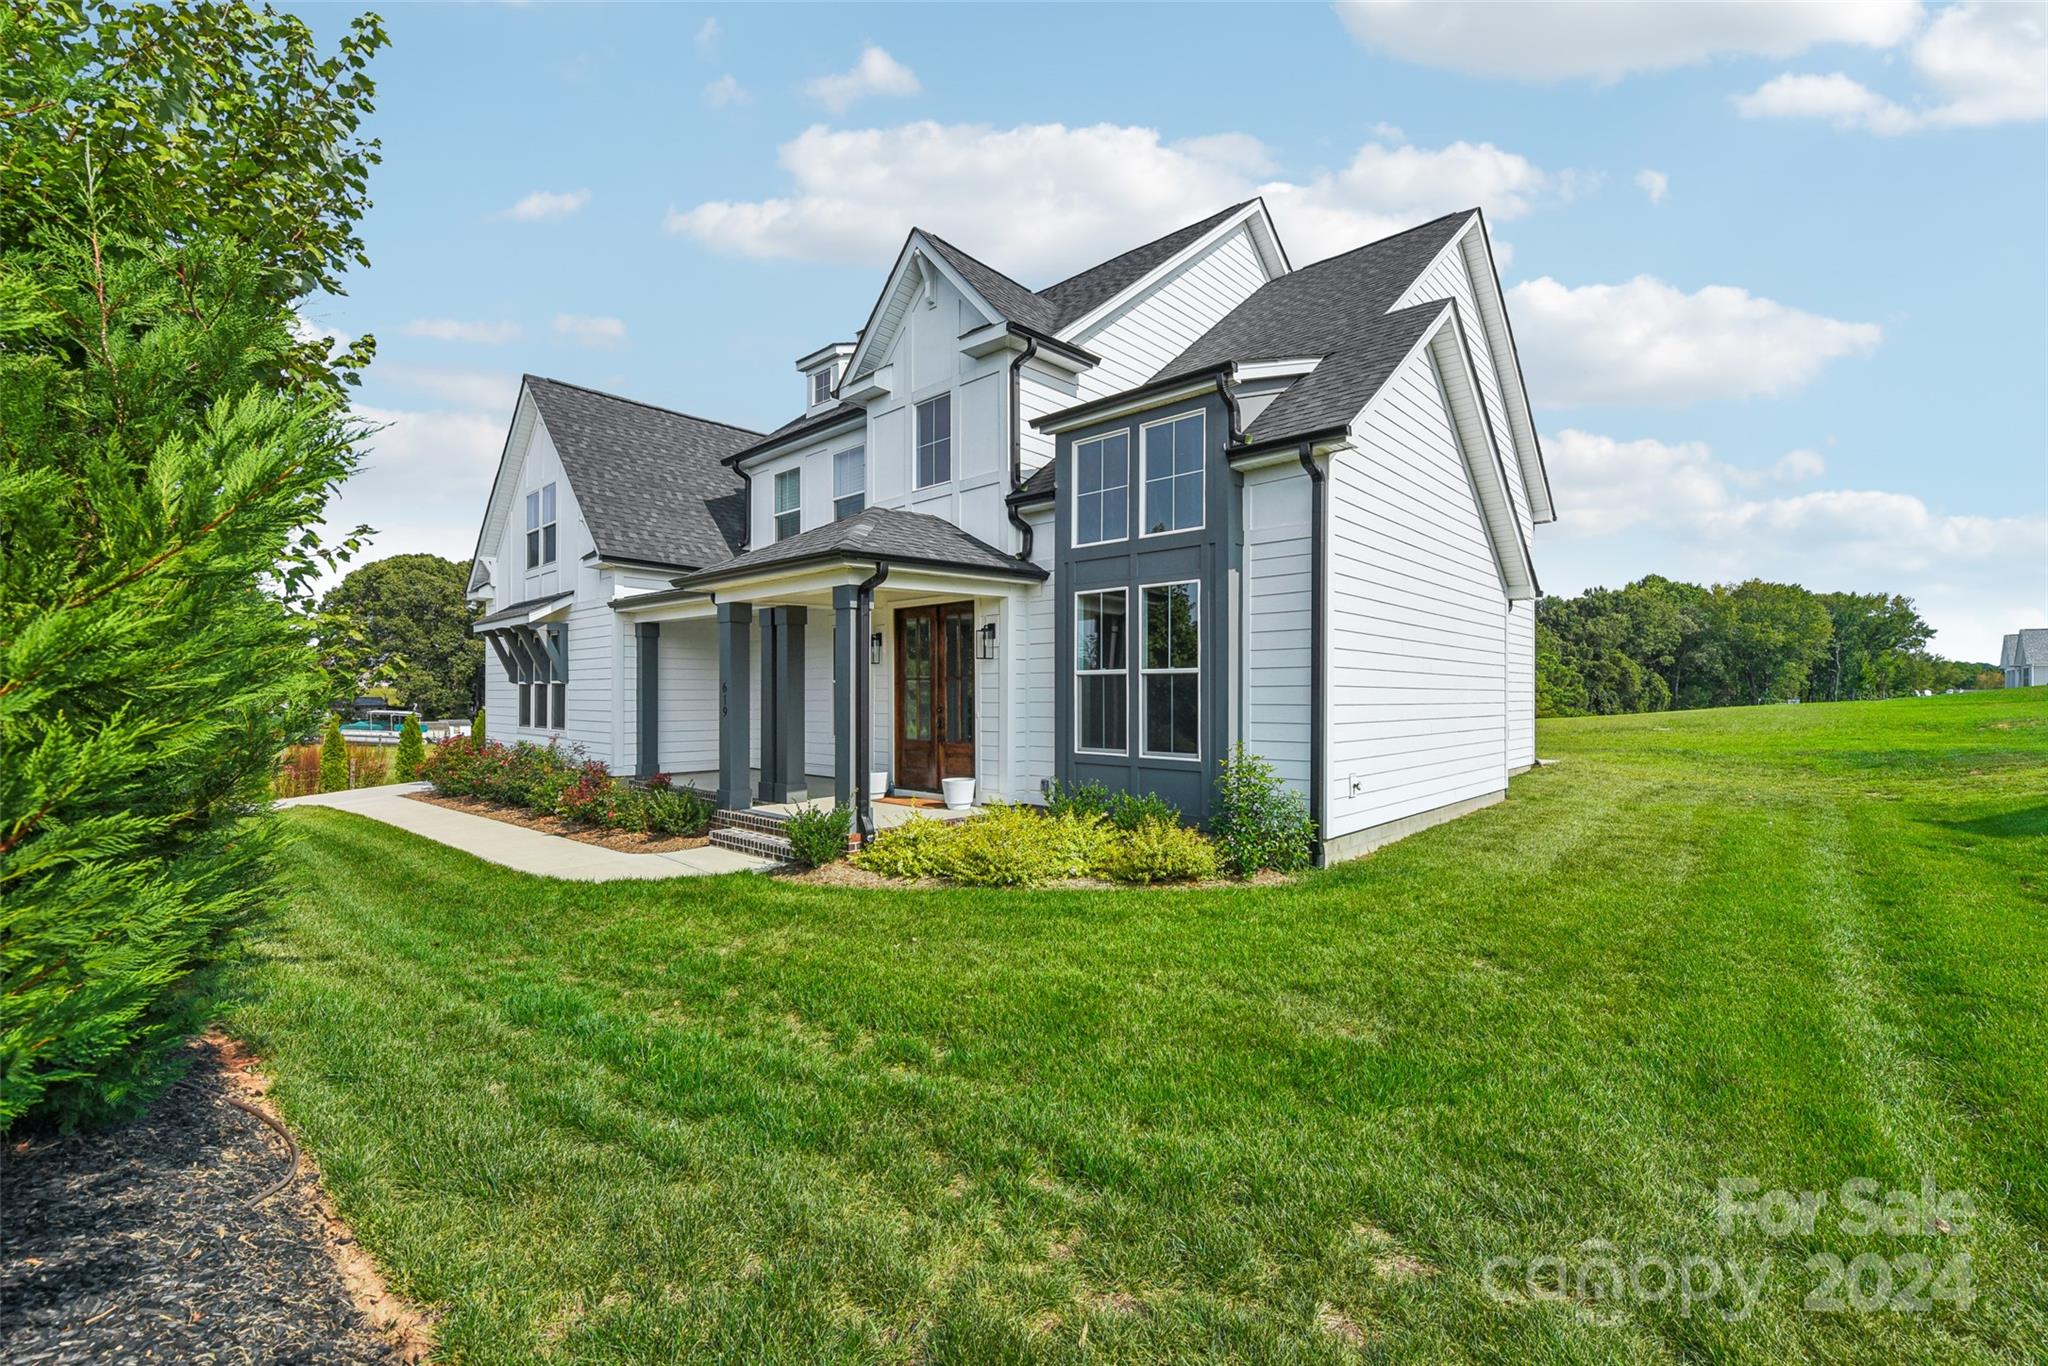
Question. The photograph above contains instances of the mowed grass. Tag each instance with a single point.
(745, 1119)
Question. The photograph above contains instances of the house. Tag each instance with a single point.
(1105, 530)
(2024, 657)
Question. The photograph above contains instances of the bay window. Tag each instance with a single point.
(1170, 670)
(1100, 672)
(1102, 478)
(1173, 474)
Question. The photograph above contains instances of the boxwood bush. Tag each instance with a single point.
(817, 836)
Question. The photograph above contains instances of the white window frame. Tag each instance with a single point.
(1124, 531)
(541, 538)
(1146, 671)
(795, 475)
(1201, 416)
(839, 495)
(918, 446)
(821, 379)
(1123, 671)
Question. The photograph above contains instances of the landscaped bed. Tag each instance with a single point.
(626, 841)
(1414, 1107)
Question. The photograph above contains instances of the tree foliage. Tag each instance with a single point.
(405, 619)
(177, 180)
(1659, 644)
(412, 751)
(333, 756)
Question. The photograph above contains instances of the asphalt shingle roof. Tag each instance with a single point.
(648, 479)
(881, 534)
(2025, 647)
(1078, 295)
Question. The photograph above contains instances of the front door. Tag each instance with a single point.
(934, 694)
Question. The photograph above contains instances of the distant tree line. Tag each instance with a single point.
(1661, 645)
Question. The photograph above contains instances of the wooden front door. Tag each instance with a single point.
(934, 694)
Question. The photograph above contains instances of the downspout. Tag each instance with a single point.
(1229, 397)
(1319, 651)
(746, 508)
(1017, 447)
(863, 703)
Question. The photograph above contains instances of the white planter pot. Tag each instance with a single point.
(959, 793)
(878, 783)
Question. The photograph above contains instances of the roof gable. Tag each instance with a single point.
(648, 480)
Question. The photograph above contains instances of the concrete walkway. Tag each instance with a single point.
(529, 851)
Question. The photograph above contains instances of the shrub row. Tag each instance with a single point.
(1085, 830)
(544, 780)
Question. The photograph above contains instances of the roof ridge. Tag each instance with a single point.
(1152, 242)
(1382, 241)
(951, 245)
(639, 403)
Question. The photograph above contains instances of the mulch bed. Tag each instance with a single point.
(625, 841)
(140, 1242)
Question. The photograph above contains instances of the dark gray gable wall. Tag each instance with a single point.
(1209, 555)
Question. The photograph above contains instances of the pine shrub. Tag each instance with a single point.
(476, 727)
(333, 757)
(412, 751)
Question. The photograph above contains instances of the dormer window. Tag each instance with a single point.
(821, 386)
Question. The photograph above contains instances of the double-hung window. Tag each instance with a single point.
(849, 482)
(935, 441)
(1173, 474)
(789, 503)
(1102, 489)
(540, 526)
(1101, 673)
(1170, 670)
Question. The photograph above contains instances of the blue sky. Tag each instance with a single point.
(1778, 275)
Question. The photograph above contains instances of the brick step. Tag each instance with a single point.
(760, 822)
(755, 842)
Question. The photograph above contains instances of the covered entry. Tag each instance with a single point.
(934, 694)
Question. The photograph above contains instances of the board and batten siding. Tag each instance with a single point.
(1136, 342)
(1277, 662)
(1417, 712)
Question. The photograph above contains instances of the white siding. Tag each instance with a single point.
(1277, 673)
(689, 696)
(1137, 341)
(1521, 685)
(1036, 671)
(1417, 713)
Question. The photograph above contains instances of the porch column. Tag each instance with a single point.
(849, 653)
(782, 704)
(647, 640)
(735, 622)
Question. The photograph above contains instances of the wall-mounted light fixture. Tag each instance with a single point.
(988, 640)
(875, 648)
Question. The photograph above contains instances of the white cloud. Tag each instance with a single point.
(1042, 200)
(1648, 342)
(726, 90)
(1558, 41)
(423, 481)
(490, 391)
(1655, 184)
(305, 329)
(1843, 102)
(452, 329)
(1981, 65)
(876, 73)
(1680, 511)
(1795, 467)
(590, 331)
(542, 205)
(707, 33)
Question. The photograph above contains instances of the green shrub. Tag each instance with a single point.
(1259, 822)
(1083, 799)
(817, 836)
(333, 757)
(1128, 810)
(476, 727)
(591, 797)
(412, 751)
(1158, 850)
(1014, 846)
(680, 811)
(915, 849)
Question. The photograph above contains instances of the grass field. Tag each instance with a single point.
(1396, 1111)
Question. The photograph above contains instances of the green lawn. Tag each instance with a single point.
(753, 1120)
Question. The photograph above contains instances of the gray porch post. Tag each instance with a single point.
(848, 655)
(782, 772)
(647, 639)
(735, 765)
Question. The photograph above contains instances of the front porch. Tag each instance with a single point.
(834, 683)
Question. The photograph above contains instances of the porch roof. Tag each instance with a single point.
(878, 536)
(521, 613)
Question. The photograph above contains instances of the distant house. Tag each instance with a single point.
(2025, 658)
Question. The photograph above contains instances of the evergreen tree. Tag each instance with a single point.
(412, 751)
(333, 757)
(178, 178)
(476, 727)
